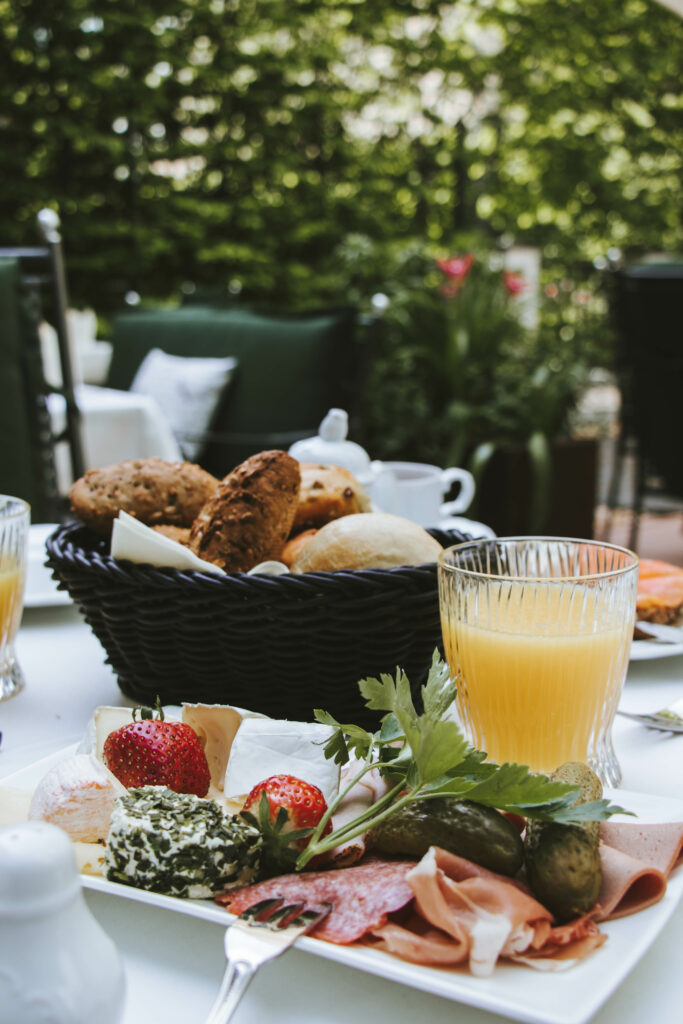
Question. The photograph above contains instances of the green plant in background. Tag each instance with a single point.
(457, 375)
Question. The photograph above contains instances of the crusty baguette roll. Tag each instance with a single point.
(250, 516)
(152, 490)
(367, 541)
(327, 493)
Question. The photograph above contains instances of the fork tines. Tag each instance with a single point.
(271, 913)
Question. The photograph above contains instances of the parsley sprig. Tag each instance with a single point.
(426, 755)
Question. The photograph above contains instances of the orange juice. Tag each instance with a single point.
(11, 592)
(540, 672)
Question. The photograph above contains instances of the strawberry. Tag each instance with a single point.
(153, 752)
(286, 810)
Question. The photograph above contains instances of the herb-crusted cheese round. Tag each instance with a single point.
(179, 844)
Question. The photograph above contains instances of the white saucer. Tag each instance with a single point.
(469, 526)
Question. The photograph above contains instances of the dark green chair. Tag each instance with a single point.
(292, 367)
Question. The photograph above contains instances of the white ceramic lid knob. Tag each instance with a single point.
(335, 425)
(331, 448)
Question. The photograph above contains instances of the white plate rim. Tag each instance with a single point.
(651, 650)
(515, 992)
(47, 598)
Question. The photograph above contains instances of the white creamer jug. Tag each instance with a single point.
(57, 965)
(331, 448)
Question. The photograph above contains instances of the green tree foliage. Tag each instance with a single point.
(206, 140)
(204, 143)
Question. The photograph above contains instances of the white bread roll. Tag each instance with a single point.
(367, 541)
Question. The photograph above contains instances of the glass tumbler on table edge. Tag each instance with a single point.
(537, 633)
(14, 524)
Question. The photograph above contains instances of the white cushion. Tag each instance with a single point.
(187, 389)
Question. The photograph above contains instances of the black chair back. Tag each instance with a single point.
(33, 288)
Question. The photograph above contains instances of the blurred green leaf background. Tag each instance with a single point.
(297, 152)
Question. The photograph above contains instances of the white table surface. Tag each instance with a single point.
(115, 425)
(174, 963)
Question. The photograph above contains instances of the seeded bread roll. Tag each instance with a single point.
(180, 534)
(152, 490)
(375, 541)
(250, 516)
(327, 493)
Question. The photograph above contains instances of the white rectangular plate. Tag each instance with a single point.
(569, 997)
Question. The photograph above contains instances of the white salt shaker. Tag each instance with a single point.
(57, 965)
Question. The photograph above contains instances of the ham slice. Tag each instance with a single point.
(362, 896)
(636, 863)
(474, 916)
(360, 798)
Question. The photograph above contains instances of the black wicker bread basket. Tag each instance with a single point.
(281, 645)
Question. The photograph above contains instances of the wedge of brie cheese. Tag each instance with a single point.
(267, 746)
(216, 726)
(78, 795)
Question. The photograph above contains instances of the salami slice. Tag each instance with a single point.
(361, 896)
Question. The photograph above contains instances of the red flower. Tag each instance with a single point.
(456, 268)
(514, 282)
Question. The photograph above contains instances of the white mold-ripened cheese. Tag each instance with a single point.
(179, 845)
(103, 721)
(268, 746)
(216, 726)
(78, 795)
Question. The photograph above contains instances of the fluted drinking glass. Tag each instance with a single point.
(14, 524)
(537, 634)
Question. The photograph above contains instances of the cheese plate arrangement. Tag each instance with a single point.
(259, 800)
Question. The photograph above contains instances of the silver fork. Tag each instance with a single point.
(259, 934)
(667, 719)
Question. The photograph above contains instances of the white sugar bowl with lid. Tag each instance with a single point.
(57, 965)
(331, 448)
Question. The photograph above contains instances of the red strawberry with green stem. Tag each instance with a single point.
(286, 810)
(153, 752)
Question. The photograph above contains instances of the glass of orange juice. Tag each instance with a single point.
(537, 634)
(14, 524)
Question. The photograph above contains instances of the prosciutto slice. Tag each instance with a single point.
(362, 896)
(465, 914)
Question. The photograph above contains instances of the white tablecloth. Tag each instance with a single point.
(115, 425)
(174, 963)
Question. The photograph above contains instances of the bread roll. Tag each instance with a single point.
(180, 534)
(375, 541)
(250, 516)
(327, 493)
(152, 490)
(292, 548)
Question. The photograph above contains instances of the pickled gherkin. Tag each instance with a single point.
(467, 829)
(563, 861)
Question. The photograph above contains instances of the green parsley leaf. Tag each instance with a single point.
(346, 738)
